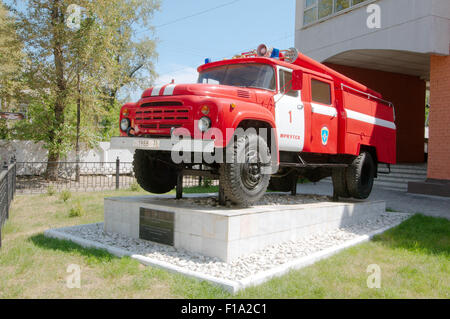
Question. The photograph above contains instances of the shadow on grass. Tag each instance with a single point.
(71, 248)
(421, 234)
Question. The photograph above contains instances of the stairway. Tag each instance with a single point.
(399, 177)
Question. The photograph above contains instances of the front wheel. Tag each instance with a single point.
(152, 173)
(245, 175)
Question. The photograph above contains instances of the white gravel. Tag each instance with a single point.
(274, 199)
(243, 267)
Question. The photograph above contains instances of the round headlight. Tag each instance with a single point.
(204, 124)
(124, 124)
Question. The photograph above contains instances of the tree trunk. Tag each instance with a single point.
(55, 139)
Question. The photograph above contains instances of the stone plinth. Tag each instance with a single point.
(228, 233)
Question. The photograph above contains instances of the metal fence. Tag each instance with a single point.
(78, 177)
(7, 191)
(85, 177)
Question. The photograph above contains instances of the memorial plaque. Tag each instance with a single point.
(157, 226)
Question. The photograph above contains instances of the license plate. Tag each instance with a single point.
(146, 144)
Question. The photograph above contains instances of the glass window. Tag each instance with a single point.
(325, 8)
(320, 92)
(286, 83)
(310, 3)
(320, 9)
(355, 2)
(251, 75)
(310, 16)
(341, 5)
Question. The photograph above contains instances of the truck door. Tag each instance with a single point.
(289, 114)
(324, 121)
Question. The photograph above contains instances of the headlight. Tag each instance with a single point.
(204, 124)
(124, 124)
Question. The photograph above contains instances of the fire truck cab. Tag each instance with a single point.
(262, 109)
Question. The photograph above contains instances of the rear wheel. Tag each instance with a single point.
(244, 177)
(152, 173)
(339, 177)
(360, 176)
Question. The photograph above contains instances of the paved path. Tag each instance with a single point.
(397, 200)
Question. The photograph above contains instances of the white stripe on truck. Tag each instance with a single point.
(369, 119)
(169, 89)
(156, 90)
(323, 110)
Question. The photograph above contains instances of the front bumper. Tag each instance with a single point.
(162, 144)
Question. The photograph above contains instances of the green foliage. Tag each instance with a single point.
(134, 187)
(77, 211)
(207, 182)
(65, 195)
(88, 67)
(51, 191)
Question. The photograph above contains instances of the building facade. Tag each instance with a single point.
(399, 48)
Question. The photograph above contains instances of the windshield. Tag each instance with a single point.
(260, 76)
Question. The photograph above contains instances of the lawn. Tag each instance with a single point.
(414, 259)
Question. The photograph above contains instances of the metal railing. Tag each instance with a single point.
(32, 177)
(7, 191)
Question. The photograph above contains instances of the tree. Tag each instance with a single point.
(11, 60)
(88, 65)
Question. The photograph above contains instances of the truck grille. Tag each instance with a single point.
(161, 117)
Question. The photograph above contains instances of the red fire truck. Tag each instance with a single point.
(322, 124)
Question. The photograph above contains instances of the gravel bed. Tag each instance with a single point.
(275, 199)
(251, 264)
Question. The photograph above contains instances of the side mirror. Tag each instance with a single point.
(297, 80)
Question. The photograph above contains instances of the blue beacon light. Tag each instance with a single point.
(275, 53)
(207, 60)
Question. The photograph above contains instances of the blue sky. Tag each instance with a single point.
(238, 27)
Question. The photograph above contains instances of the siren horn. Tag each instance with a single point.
(262, 50)
(291, 55)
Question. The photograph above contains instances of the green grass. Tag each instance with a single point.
(413, 257)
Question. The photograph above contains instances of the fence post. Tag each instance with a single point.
(5, 167)
(117, 172)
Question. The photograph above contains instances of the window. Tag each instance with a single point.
(325, 8)
(321, 9)
(320, 92)
(340, 5)
(286, 84)
(251, 75)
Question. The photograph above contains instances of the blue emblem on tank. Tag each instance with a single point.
(325, 133)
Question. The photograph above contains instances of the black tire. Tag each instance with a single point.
(360, 176)
(153, 175)
(244, 183)
(283, 184)
(339, 177)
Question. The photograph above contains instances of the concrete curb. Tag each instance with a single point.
(228, 285)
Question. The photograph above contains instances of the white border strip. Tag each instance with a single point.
(323, 110)
(229, 285)
(156, 90)
(369, 119)
(169, 89)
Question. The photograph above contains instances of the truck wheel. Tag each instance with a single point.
(153, 175)
(243, 178)
(283, 184)
(360, 176)
(340, 182)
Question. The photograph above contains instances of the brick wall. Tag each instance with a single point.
(408, 95)
(439, 140)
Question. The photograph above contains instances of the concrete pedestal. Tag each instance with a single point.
(229, 233)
